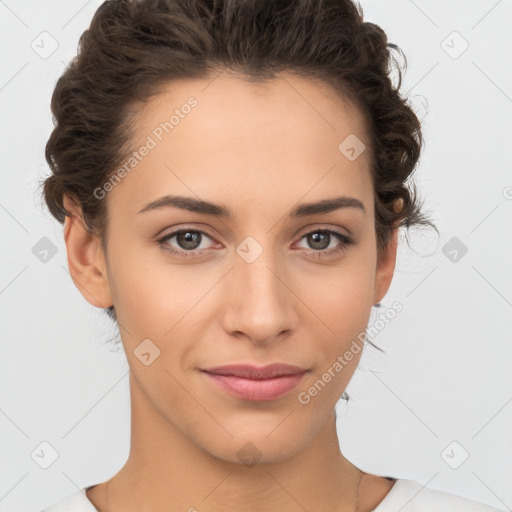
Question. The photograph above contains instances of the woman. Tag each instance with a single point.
(232, 177)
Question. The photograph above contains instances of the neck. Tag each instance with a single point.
(165, 467)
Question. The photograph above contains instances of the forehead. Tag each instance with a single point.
(225, 135)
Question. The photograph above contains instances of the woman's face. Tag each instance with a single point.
(253, 287)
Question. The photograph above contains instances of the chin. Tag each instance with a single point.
(254, 446)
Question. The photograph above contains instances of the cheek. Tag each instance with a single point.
(150, 295)
(342, 306)
(350, 310)
(171, 305)
(341, 297)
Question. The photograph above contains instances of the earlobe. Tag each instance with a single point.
(86, 260)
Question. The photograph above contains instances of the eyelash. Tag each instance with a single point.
(345, 240)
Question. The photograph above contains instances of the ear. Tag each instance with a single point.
(86, 259)
(386, 262)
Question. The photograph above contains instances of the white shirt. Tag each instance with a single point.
(404, 496)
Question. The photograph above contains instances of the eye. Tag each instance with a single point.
(188, 241)
(321, 239)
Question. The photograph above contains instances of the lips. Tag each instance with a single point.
(247, 371)
(256, 383)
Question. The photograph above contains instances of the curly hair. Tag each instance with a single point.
(134, 48)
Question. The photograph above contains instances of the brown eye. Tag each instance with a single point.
(320, 240)
(189, 239)
(188, 242)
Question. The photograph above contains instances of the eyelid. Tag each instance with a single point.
(313, 228)
(171, 231)
(178, 230)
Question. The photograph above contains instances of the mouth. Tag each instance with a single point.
(249, 382)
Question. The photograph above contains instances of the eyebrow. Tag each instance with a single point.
(216, 210)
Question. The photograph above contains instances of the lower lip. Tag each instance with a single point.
(251, 389)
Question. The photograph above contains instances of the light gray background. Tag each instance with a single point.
(447, 375)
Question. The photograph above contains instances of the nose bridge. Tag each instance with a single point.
(261, 301)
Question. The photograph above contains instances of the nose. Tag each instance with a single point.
(259, 305)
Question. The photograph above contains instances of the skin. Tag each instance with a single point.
(259, 149)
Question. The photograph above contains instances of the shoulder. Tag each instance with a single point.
(410, 496)
(75, 502)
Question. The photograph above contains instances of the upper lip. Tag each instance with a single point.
(248, 371)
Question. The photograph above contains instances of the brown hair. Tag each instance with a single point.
(134, 48)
